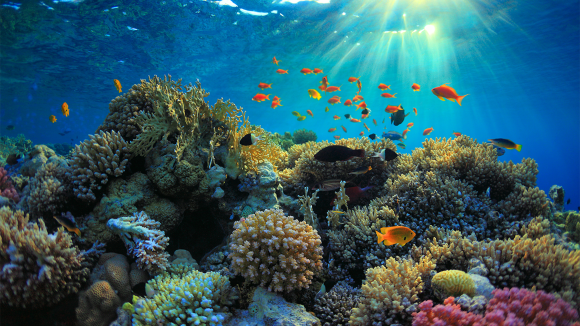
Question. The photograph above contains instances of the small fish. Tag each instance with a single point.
(264, 85)
(64, 109)
(354, 120)
(306, 71)
(393, 135)
(334, 100)
(375, 122)
(395, 234)
(402, 145)
(357, 98)
(392, 108)
(383, 121)
(356, 193)
(347, 116)
(317, 71)
(410, 124)
(348, 102)
(373, 136)
(324, 81)
(343, 128)
(415, 110)
(366, 127)
(10, 127)
(331, 89)
(314, 94)
(275, 61)
(332, 130)
(456, 134)
(359, 85)
(362, 133)
(336, 137)
(275, 104)
(68, 224)
(320, 293)
(322, 88)
(366, 111)
(352, 79)
(388, 95)
(337, 212)
(12, 159)
(150, 291)
(386, 155)
(280, 71)
(398, 117)
(301, 118)
(329, 185)
(568, 201)
(249, 139)
(506, 143)
(117, 84)
(326, 109)
(336, 117)
(382, 87)
(296, 113)
(52, 119)
(261, 97)
(276, 98)
(310, 113)
(361, 170)
(427, 131)
(446, 92)
(405, 133)
(361, 105)
(415, 87)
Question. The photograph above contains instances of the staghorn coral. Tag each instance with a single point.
(6, 188)
(302, 136)
(275, 251)
(102, 156)
(48, 191)
(391, 291)
(334, 308)
(536, 228)
(38, 269)
(453, 283)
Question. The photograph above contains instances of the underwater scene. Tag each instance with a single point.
(290, 162)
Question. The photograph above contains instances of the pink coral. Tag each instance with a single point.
(6, 188)
(509, 307)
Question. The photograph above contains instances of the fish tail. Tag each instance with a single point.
(77, 231)
(518, 147)
(379, 236)
(461, 98)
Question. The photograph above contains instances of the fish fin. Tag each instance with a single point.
(379, 236)
(441, 98)
(77, 231)
(460, 98)
(452, 99)
(518, 147)
(385, 230)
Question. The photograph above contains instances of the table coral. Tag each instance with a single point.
(39, 269)
(275, 251)
(6, 188)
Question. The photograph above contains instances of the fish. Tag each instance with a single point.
(310, 113)
(386, 155)
(12, 159)
(332, 130)
(361, 105)
(506, 143)
(359, 85)
(402, 145)
(139, 289)
(365, 111)
(382, 87)
(296, 113)
(334, 100)
(331, 89)
(405, 133)
(375, 122)
(362, 133)
(357, 98)
(320, 293)
(250, 139)
(393, 109)
(261, 97)
(326, 109)
(328, 185)
(388, 95)
(343, 128)
(354, 120)
(456, 134)
(317, 71)
(361, 170)
(301, 118)
(324, 81)
(446, 92)
(52, 119)
(64, 109)
(356, 193)
(336, 137)
(68, 224)
(306, 71)
(117, 84)
(488, 192)
(275, 104)
(336, 117)
(347, 116)
(398, 117)
(415, 87)
(275, 61)
(395, 234)
(276, 98)
(348, 102)
(264, 85)
(427, 131)
(568, 201)
(335, 153)
(322, 88)
(280, 71)
(415, 110)
(373, 136)
(366, 127)
(10, 127)
(393, 135)
(314, 94)
(410, 124)
(352, 79)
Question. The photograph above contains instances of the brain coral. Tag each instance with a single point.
(453, 283)
(275, 251)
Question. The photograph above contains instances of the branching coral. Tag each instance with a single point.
(334, 308)
(96, 159)
(13, 145)
(275, 251)
(38, 269)
(306, 204)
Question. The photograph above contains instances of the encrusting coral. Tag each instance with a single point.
(275, 251)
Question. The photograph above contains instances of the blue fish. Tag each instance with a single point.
(393, 135)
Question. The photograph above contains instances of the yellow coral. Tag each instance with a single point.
(453, 283)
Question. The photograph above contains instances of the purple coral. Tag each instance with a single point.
(509, 307)
(6, 188)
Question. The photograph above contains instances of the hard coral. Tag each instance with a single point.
(98, 305)
(6, 188)
(453, 283)
(302, 136)
(334, 308)
(275, 251)
(48, 191)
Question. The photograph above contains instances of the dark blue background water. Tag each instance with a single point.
(518, 60)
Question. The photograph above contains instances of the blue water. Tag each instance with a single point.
(518, 60)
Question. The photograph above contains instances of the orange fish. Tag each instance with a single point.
(395, 234)
(331, 89)
(410, 124)
(336, 137)
(382, 87)
(362, 105)
(456, 134)
(343, 128)
(415, 87)
(275, 61)
(359, 85)
(314, 94)
(276, 98)
(280, 71)
(362, 133)
(52, 118)
(405, 132)
(301, 118)
(332, 130)
(348, 102)
(445, 92)
(387, 95)
(317, 71)
(354, 120)
(260, 97)
(375, 122)
(392, 108)
(306, 71)
(117, 84)
(64, 109)
(352, 79)
(334, 100)
(336, 117)
(322, 88)
(324, 81)
(264, 85)
(427, 131)
(366, 127)
(310, 113)
(415, 110)
(275, 104)
(357, 98)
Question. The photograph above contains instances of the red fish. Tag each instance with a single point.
(415, 87)
(261, 97)
(322, 88)
(275, 61)
(317, 71)
(310, 113)
(392, 108)
(348, 102)
(334, 100)
(354, 120)
(343, 128)
(336, 117)
(375, 122)
(357, 98)
(362, 133)
(427, 131)
(387, 95)
(415, 110)
(405, 132)
(276, 98)
(352, 79)
(456, 134)
(362, 105)
(336, 137)
(367, 127)
(306, 71)
(280, 71)
(331, 89)
(264, 85)
(445, 92)
(356, 193)
(324, 81)
(275, 104)
(410, 124)
(382, 87)
(332, 130)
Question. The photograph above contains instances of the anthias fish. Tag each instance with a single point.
(382, 87)
(334, 153)
(306, 71)
(415, 87)
(260, 97)
(395, 234)
(446, 92)
(117, 84)
(264, 85)
(427, 131)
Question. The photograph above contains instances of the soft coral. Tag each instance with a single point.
(6, 188)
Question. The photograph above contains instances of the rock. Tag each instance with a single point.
(217, 176)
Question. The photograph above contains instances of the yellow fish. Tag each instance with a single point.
(68, 224)
(301, 118)
(118, 85)
(296, 113)
(395, 234)
(326, 109)
(64, 109)
(314, 94)
(52, 118)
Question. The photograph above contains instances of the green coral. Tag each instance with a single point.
(302, 136)
(14, 145)
(570, 221)
(284, 141)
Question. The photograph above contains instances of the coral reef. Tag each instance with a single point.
(569, 221)
(37, 157)
(143, 240)
(334, 307)
(48, 191)
(275, 251)
(302, 136)
(452, 283)
(19, 146)
(98, 305)
(284, 141)
(558, 195)
(262, 188)
(6, 188)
